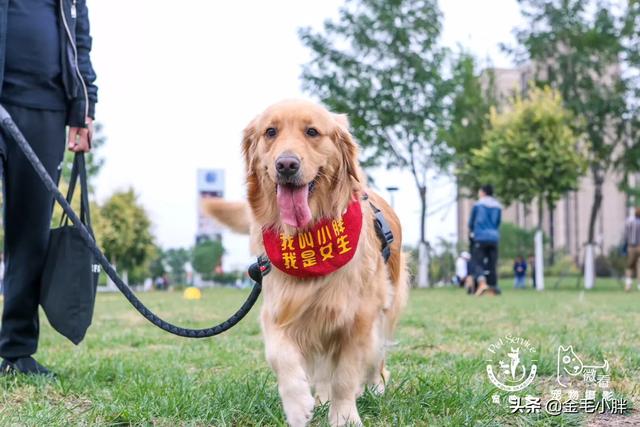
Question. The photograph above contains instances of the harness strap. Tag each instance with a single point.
(383, 231)
(385, 235)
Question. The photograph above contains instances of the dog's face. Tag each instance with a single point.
(301, 164)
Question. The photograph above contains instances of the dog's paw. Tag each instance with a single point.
(377, 388)
(378, 385)
(323, 393)
(344, 415)
(299, 410)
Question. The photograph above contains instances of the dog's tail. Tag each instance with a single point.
(234, 215)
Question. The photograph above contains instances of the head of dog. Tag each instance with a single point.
(301, 164)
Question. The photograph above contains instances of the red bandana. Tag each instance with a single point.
(329, 245)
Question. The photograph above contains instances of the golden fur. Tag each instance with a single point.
(325, 335)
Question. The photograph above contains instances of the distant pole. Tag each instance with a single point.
(539, 260)
(391, 191)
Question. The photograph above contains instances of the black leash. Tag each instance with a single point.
(256, 271)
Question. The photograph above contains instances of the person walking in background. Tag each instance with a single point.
(484, 230)
(632, 244)
(46, 82)
(520, 272)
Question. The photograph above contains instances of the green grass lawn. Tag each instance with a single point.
(127, 372)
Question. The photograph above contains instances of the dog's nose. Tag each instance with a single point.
(287, 166)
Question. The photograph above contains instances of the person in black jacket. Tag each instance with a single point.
(47, 84)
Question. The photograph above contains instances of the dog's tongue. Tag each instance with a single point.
(294, 205)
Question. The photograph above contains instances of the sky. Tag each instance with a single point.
(178, 81)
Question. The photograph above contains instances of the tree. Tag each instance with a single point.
(443, 262)
(473, 97)
(176, 260)
(206, 256)
(630, 162)
(515, 241)
(381, 64)
(531, 153)
(157, 267)
(125, 228)
(578, 47)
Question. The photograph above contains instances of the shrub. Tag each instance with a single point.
(603, 266)
(617, 261)
(564, 266)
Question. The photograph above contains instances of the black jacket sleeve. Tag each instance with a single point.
(83, 46)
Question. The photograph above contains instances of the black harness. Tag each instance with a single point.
(263, 266)
(383, 231)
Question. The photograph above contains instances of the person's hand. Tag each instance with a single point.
(80, 138)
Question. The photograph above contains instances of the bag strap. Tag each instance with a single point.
(79, 171)
(85, 213)
(64, 220)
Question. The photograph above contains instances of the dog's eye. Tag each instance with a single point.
(271, 132)
(312, 132)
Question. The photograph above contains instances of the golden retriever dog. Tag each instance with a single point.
(325, 334)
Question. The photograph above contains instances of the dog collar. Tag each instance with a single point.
(329, 245)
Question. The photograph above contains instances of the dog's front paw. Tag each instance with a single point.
(379, 384)
(299, 410)
(341, 415)
(323, 393)
(377, 389)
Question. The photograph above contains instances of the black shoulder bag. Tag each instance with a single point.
(70, 275)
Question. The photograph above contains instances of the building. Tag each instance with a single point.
(210, 183)
(570, 224)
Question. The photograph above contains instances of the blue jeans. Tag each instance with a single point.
(520, 282)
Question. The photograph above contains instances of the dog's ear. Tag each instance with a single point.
(347, 146)
(249, 148)
(249, 140)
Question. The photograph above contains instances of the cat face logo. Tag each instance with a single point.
(508, 369)
(570, 365)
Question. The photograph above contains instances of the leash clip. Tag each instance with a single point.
(259, 269)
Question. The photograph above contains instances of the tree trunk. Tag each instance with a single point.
(111, 285)
(632, 199)
(423, 249)
(589, 259)
(552, 229)
(589, 265)
(576, 222)
(539, 249)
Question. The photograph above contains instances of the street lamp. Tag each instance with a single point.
(392, 190)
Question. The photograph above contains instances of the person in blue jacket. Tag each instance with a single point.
(484, 232)
(46, 85)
